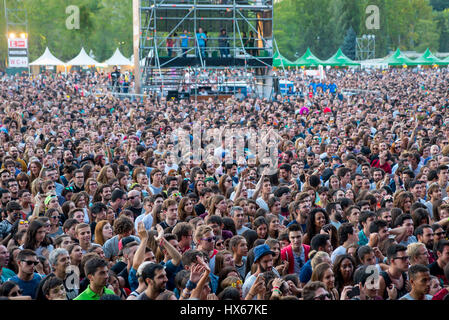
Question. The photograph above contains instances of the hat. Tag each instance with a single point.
(327, 109)
(304, 110)
(261, 250)
(209, 179)
(124, 241)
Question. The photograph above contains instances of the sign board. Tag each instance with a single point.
(18, 52)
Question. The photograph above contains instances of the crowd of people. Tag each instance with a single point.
(96, 203)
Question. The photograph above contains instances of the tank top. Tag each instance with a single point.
(401, 292)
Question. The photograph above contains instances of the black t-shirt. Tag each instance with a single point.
(200, 209)
(136, 211)
(115, 76)
(124, 274)
(437, 271)
(118, 267)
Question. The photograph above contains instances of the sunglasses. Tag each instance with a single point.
(28, 262)
(176, 194)
(55, 217)
(323, 297)
(405, 258)
(209, 239)
(23, 222)
(439, 233)
(51, 187)
(220, 243)
(132, 197)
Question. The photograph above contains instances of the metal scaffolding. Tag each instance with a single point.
(183, 40)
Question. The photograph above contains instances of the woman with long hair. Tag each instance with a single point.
(223, 259)
(123, 180)
(239, 248)
(34, 169)
(273, 225)
(260, 225)
(103, 232)
(316, 220)
(217, 206)
(403, 200)
(186, 209)
(106, 175)
(323, 272)
(24, 181)
(344, 268)
(36, 239)
(91, 185)
(224, 184)
(81, 200)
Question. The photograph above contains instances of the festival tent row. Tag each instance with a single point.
(82, 59)
(339, 59)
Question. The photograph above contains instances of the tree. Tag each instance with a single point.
(349, 43)
(439, 5)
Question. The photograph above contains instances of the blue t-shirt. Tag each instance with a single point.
(306, 272)
(200, 37)
(184, 40)
(28, 288)
(171, 271)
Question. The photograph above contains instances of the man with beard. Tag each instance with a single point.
(104, 194)
(301, 210)
(13, 211)
(424, 234)
(68, 160)
(335, 213)
(135, 203)
(263, 259)
(156, 280)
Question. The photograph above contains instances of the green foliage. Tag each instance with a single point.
(298, 24)
(349, 44)
(407, 24)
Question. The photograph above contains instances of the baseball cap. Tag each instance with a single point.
(261, 250)
(124, 241)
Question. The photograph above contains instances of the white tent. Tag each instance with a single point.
(82, 59)
(142, 61)
(118, 59)
(47, 59)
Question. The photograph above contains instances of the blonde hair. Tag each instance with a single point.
(318, 258)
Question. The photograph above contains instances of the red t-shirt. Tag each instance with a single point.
(440, 294)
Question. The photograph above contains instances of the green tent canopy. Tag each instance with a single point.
(308, 60)
(339, 59)
(428, 59)
(399, 59)
(280, 61)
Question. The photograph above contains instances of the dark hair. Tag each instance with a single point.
(229, 293)
(420, 230)
(93, 264)
(415, 269)
(439, 246)
(394, 249)
(6, 288)
(116, 194)
(308, 292)
(344, 231)
(250, 236)
(319, 240)
(311, 228)
(400, 220)
(150, 271)
(363, 273)
(229, 225)
(339, 281)
(376, 225)
(30, 239)
(362, 251)
(50, 283)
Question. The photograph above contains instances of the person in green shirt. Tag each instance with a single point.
(96, 270)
